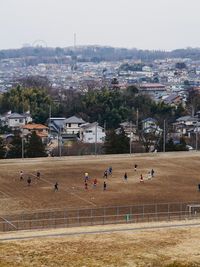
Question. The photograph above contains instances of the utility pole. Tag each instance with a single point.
(60, 143)
(22, 145)
(95, 145)
(137, 118)
(50, 121)
(104, 126)
(164, 136)
(196, 139)
(130, 144)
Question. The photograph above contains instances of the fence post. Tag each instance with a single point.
(143, 212)
(116, 214)
(78, 217)
(65, 217)
(91, 213)
(168, 210)
(104, 213)
(156, 211)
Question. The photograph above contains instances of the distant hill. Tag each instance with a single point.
(95, 54)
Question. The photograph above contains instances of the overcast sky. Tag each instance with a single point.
(146, 24)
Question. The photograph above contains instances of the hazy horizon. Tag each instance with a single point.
(144, 24)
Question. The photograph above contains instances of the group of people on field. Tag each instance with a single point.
(107, 172)
(37, 176)
(149, 176)
(29, 180)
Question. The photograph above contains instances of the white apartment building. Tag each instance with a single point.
(92, 133)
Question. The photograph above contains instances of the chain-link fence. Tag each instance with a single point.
(99, 216)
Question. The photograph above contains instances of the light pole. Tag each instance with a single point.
(196, 139)
(130, 141)
(95, 145)
(164, 136)
(60, 143)
(22, 145)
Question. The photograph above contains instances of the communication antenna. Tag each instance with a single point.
(74, 41)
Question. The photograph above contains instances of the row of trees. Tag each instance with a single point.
(104, 106)
(31, 147)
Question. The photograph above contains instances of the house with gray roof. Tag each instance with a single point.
(15, 120)
(72, 125)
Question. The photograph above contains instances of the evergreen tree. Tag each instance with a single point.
(116, 143)
(2, 149)
(182, 145)
(35, 147)
(15, 148)
(170, 145)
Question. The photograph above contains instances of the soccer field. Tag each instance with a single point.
(176, 179)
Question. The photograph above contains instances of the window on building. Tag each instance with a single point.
(88, 131)
(21, 120)
(69, 124)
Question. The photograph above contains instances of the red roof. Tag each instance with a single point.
(34, 126)
(151, 86)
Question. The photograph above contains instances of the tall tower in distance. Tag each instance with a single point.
(74, 41)
(74, 58)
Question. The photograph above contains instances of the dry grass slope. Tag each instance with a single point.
(161, 248)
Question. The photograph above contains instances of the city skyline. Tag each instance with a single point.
(164, 25)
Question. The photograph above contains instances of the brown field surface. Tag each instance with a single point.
(176, 179)
(174, 247)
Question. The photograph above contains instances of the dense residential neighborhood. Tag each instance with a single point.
(72, 103)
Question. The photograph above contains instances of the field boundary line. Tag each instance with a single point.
(8, 222)
(74, 194)
(5, 194)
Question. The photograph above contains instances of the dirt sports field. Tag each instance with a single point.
(176, 178)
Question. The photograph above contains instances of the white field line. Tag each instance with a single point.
(8, 222)
(5, 194)
(74, 194)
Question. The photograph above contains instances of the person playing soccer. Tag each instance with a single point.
(29, 181)
(21, 175)
(125, 176)
(110, 170)
(141, 179)
(104, 186)
(95, 183)
(86, 185)
(105, 175)
(56, 187)
(135, 167)
(86, 176)
(38, 175)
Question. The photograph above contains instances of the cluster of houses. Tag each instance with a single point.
(76, 129)
(72, 128)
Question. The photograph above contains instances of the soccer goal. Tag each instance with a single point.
(193, 209)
